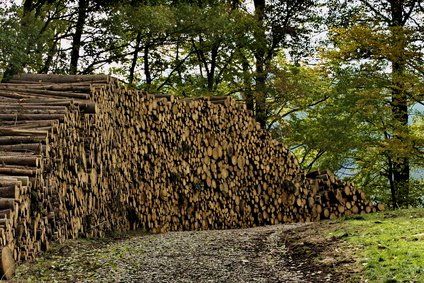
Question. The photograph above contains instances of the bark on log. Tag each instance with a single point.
(37, 78)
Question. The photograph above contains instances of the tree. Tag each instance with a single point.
(148, 28)
(365, 127)
(282, 24)
(76, 38)
(34, 28)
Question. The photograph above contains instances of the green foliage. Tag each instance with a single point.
(9, 24)
(356, 131)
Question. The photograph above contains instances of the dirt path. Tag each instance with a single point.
(263, 254)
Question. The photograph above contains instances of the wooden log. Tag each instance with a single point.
(22, 108)
(16, 140)
(5, 213)
(23, 160)
(46, 93)
(9, 95)
(7, 203)
(30, 117)
(87, 107)
(7, 266)
(30, 124)
(74, 87)
(61, 78)
(19, 171)
(29, 147)
(10, 191)
(19, 132)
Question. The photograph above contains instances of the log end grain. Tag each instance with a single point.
(7, 266)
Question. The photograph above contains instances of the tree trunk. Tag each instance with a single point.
(177, 60)
(261, 113)
(134, 59)
(49, 60)
(147, 64)
(391, 182)
(248, 96)
(399, 105)
(211, 73)
(76, 39)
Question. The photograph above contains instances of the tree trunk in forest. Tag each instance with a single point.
(76, 39)
(248, 95)
(134, 59)
(399, 105)
(391, 183)
(49, 60)
(147, 64)
(261, 115)
(177, 59)
(211, 73)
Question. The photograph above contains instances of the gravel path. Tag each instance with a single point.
(253, 255)
(243, 255)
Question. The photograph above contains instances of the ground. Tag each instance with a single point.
(382, 247)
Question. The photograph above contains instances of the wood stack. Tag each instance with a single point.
(335, 198)
(30, 114)
(101, 157)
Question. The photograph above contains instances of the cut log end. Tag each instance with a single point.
(8, 264)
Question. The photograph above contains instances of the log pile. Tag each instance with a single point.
(336, 198)
(84, 155)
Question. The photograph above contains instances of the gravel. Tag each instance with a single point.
(240, 255)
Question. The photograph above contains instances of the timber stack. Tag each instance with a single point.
(84, 155)
(337, 198)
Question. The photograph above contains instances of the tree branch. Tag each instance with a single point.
(297, 109)
(173, 70)
(370, 6)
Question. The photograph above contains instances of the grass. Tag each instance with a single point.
(389, 245)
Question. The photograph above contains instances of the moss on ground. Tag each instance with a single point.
(82, 260)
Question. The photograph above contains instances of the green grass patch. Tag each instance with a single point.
(390, 245)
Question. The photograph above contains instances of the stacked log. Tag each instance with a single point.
(335, 198)
(14, 217)
(100, 157)
(30, 114)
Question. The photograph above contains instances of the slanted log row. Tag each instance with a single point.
(336, 198)
(110, 158)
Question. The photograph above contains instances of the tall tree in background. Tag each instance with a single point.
(370, 121)
(392, 39)
(76, 38)
(282, 24)
(260, 57)
(34, 22)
